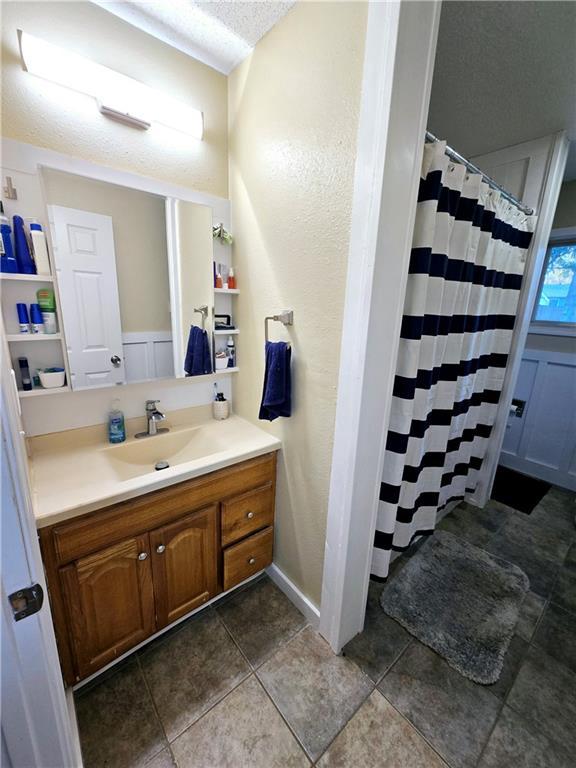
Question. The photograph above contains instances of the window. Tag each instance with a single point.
(556, 302)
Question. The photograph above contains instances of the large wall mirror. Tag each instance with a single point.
(134, 273)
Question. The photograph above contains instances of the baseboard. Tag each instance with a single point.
(303, 603)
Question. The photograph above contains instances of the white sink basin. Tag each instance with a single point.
(139, 457)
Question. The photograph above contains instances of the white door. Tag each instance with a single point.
(85, 263)
(38, 730)
(532, 172)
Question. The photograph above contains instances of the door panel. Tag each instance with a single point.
(86, 267)
(546, 447)
(184, 561)
(110, 602)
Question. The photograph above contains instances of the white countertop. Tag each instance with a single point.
(72, 472)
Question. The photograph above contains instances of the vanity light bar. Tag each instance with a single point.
(118, 96)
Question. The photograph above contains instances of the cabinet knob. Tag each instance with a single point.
(251, 560)
(250, 515)
(142, 555)
(160, 548)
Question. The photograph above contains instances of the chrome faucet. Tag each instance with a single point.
(153, 416)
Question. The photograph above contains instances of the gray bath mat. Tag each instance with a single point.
(460, 601)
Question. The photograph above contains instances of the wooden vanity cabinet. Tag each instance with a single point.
(118, 575)
(111, 603)
(184, 564)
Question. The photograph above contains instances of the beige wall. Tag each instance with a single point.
(565, 215)
(293, 114)
(44, 114)
(139, 224)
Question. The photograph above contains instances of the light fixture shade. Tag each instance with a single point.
(117, 95)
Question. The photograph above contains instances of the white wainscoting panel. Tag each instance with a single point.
(147, 355)
(542, 443)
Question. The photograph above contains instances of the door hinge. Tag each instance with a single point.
(26, 601)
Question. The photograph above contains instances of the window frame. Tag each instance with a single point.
(566, 235)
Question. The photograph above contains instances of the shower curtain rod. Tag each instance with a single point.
(471, 167)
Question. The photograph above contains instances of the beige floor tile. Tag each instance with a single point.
(379, 737)
(191, 671)
(316, 691)
(242, 731)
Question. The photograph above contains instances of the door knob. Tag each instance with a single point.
(250, 515)
(116, 361)
(142, 555)
(160, 548)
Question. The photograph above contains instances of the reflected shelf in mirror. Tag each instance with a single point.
(38, 391)
(232, 291)
(27, 278)
(16, 337)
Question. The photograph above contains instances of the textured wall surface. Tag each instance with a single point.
(139, 224)
(45, 114)
(565, 215)
(293, 113)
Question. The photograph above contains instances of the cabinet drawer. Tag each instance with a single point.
(248, 557)
(245, 514)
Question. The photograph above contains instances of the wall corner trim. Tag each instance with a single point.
(298, 598)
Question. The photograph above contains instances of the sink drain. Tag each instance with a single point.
(161, 465)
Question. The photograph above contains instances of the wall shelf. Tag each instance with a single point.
(38, 391)
(232, 291)
(225, 371)
(233, 332)
(33, 337)
(26, 278)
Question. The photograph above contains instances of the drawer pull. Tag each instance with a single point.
(160, 548)
(142, 555)
(251, 560)
(250, 515)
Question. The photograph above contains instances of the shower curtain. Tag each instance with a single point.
(466, 264)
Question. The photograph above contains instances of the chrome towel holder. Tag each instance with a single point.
(202, 310)
(286, 317)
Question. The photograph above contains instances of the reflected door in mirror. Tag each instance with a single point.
(86, 268)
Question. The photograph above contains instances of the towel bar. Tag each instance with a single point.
(286, 318)
(202, 310)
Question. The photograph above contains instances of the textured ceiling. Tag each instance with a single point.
(221, 34)
(505, 73)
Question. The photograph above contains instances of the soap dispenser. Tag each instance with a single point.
(116, 426)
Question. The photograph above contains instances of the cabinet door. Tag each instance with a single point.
(110, 602)
(184, 562)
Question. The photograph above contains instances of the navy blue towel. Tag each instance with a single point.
(277, 392)
(198, 356)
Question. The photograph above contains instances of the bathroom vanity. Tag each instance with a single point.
(120, 572)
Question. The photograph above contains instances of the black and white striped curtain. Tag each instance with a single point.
(466, 265)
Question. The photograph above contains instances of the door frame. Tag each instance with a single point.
(400, 43)
(39, 726)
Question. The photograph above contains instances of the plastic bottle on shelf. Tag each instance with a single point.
(231, 278)
(36, 322)
(24, 258)
(39, 247)
(25, 374)
(23, 319)
(8, 261)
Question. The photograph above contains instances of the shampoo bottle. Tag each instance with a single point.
(39, 247)
(116, 427)
(8, 261)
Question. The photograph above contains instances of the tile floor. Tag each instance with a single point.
(247, 684)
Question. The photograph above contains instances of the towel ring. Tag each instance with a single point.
(286, 318)
(202, 310)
